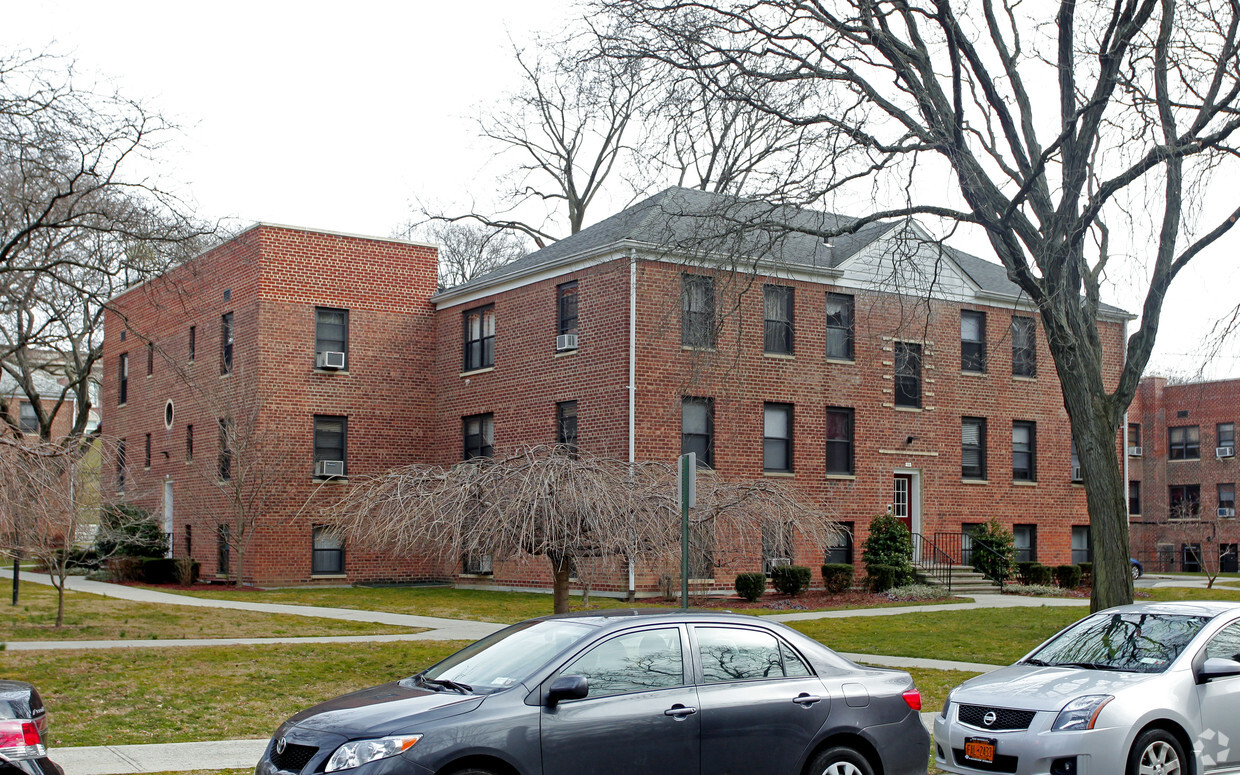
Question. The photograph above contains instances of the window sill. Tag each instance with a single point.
(1022, 378)
(472, 372)
(975, 481)
(842, 477)
(969, 373)
(478, 576)
(330, 480)
(1077, 483)
(329, 575)
(1025, 482)
(189, 462)
(148, 376)
(1173, 460)
(780, 356)
(699, 349)
(844, 361)
(780, 474)
(562, 353)
(331, 372)
(909, 408)
(122, 405)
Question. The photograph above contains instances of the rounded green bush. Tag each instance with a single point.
(837, 577)
(750, 586)
(791, 579)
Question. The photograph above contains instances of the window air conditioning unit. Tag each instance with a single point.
(329, 468)
(1226, 512)
(329, 360)
(1134, 452)
(1222, 452)
(565, 342)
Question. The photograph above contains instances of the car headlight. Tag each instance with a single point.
(1081, 713)
(358, 752)
(947, 706)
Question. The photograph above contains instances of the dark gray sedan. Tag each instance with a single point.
(621, 692)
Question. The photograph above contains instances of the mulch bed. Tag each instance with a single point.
(812, 600)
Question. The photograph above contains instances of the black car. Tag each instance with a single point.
(622, 692)
(23, 728)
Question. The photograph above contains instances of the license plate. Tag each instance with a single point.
(979, 749)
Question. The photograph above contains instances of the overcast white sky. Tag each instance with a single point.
(338, 115)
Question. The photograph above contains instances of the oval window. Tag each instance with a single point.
(168, 414)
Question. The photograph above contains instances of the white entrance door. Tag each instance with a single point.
(168, 516)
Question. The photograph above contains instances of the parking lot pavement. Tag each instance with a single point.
(170, 757)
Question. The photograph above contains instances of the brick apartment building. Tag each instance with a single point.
(21, 416)
(878, 371)
(1182, 475)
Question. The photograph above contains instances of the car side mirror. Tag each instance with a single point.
(570, 687)
(1217, 667)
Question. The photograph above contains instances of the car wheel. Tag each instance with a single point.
(840, 761)
(1135, 570)
(1156, 752)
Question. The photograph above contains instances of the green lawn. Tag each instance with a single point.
(935, 684)
(447, 602)
(117, 697)
(990, 636)
(91, 617)
(1190, 593)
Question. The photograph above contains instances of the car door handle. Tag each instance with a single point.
(679, 712)
(806, 700)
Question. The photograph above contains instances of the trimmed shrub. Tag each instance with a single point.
(1068, 576)
(121, 569)
(888, 545)
(159, 570)
(1022, 571)
(997, 563)
(884, 577)
(129, 531)
(791, 579)
(750, 585)
(1040, 575)
(837, 577)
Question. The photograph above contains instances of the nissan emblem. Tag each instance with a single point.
(988, 719)
(281, 744)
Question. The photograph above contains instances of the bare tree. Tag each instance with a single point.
(568, 128)
(542, 501)
(467, 250)
(1197, 531)
(1060, 126)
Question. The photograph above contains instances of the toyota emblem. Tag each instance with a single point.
(988, 719)
(281, 744)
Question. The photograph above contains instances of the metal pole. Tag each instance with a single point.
(688, 495)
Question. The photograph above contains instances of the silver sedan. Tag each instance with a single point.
(1148, 689)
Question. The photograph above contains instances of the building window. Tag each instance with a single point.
(840, 326)
(1190, 558)
(146, 453)
(777, 437)
(566, 424)
(226, 343)
(777, 319)
(841, 550)
(1227, 500)
(972, 447)
(1024, 451)
(702, 551)
(697, 429)
(193, 342)
(1134, 497)
(189, 443)
(328, 553)
(189, 541)
(1134, 439)
(150, 358)
(972, 340)
(697, 308)
(123, 385)
(1025, 542)
(28, 418)
(1082, 545)
(908, 374)
(1024, 347)
(224, 463)
(331, 446)
(566, 314)
(121, 464)
(223, 551)
(1184, 443)
(478, 433)
(1225, 436)
(839, 431)
(1077, 476)
(1185, 501)
(776, 548)
(331, 335)
(479, 338)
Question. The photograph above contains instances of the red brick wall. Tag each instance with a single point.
(276, 276)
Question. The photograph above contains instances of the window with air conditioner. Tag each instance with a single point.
(1227, 499)
(1134, 439)
(566, 316)
(477, 564)
(331, 338)
(776, 548)
(330, 446)
(1225, 437)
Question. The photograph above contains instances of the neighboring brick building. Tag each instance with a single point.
(878, 371)
(1182, 474)
(49, 385)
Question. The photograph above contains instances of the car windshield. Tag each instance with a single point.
(509, 656)
(1130, 642)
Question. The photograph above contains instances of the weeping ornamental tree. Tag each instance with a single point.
(564, 505)
(1077, 136)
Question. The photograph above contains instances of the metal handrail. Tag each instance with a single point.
(1003, 561)
(934, 561)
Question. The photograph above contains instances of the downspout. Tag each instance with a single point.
(1124, 452)
(633, 390)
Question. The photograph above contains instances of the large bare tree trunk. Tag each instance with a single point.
(560, 573)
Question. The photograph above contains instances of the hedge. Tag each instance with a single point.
(837, 577)
(791, 579)
(1068, 576)
(750, 585)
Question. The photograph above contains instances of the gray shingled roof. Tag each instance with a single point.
(689, 222)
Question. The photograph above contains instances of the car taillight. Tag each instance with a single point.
(912, 698)
(20, 740)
